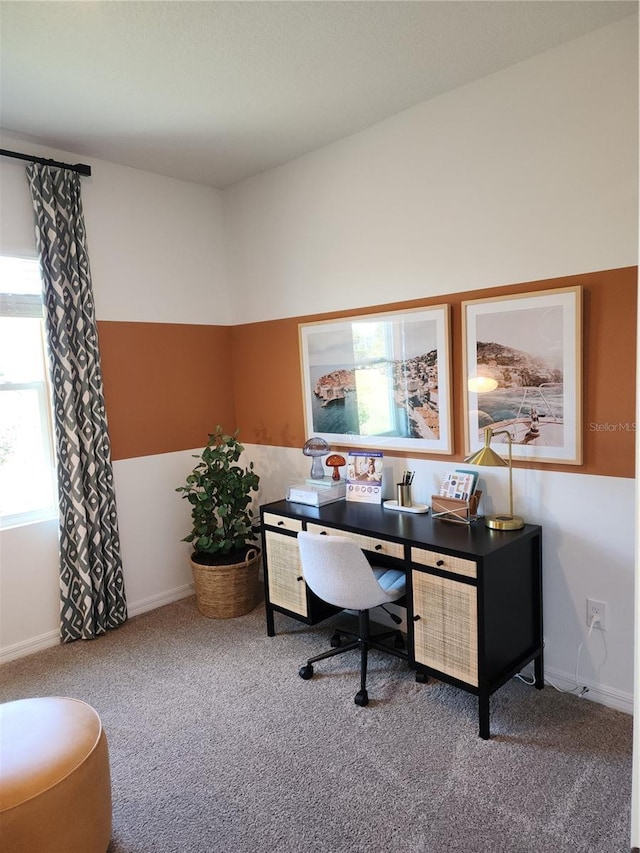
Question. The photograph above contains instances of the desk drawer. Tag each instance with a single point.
(367, 543)
(455, 565)
(282, 522)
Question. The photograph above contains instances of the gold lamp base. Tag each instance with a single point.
(504, 522)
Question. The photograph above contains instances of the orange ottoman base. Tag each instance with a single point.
(55, 788)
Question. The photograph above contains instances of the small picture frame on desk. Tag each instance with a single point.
(364, 476)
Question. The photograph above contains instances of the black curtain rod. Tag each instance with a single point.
(80, 168)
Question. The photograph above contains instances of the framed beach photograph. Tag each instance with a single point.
(379, 381)
(523, 373)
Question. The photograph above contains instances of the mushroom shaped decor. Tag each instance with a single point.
(335, 461)
(316, 448)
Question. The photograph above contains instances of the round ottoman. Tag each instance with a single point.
(55, 788)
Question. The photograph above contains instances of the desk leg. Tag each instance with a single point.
(538, 670)
(271, 631)
(483, 716)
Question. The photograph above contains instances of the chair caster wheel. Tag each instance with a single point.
(336, 640)
(398, 641)
(306, 672)
(421, 678)
(361, 698)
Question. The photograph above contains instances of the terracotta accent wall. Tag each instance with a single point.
(166, 385)
(267, 377)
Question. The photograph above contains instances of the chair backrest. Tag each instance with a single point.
(339, 573)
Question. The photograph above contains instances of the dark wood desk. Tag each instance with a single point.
(474, 595)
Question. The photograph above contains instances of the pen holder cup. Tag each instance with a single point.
(404, 495)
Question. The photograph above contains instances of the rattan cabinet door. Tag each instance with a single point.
(446, 626)
(284, 573)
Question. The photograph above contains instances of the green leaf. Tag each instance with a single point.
(218, 490)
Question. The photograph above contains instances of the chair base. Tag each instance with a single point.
(364, 641)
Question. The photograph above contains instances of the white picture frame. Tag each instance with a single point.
(522, 371)
(380, 380)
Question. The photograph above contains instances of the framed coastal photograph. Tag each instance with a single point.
(380, 380)
(523, 373)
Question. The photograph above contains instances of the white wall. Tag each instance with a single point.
(28, 563)
(156, 250)
(152, 521)
(155, 243)
(527, 174)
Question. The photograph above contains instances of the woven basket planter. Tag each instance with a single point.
(225, 591)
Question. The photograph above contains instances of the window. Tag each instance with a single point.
(27, 490)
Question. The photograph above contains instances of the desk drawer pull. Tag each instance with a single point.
(440, 563)
(378, 547)
(300, 578)
(323, 533)
(416, 618)
(271, 519)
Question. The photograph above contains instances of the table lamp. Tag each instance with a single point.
(488, 457)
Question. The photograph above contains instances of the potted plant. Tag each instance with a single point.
(224, 563)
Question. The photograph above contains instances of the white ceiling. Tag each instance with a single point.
(219, 90)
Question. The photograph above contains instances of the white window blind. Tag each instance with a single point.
(27, 490)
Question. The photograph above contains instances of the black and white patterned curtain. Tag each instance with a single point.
(91, 577)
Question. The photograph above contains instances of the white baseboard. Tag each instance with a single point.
(600, 693)
(137, 607)
(30, 646)
(52, 638)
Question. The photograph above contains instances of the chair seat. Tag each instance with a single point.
(391, 581)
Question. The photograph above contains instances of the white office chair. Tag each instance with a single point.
(338, 572)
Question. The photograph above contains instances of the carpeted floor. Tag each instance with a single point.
(218, 746)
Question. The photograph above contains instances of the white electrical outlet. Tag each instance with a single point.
(597, 613)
